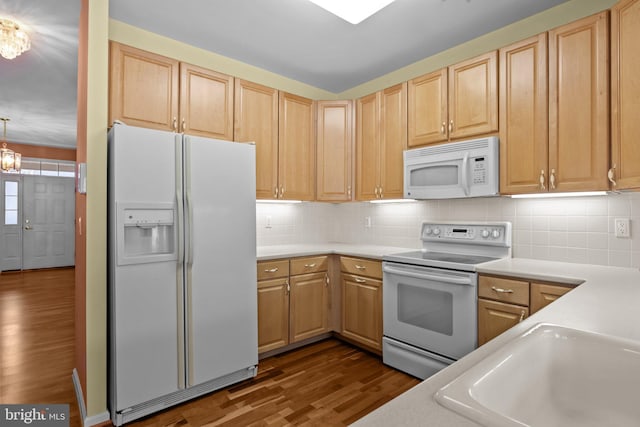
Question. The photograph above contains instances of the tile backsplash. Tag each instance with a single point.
(573, 229)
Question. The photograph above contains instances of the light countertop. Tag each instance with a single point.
(607, 301)
(290, 251)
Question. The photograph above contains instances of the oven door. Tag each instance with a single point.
(430, 308)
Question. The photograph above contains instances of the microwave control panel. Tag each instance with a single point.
(479, 170)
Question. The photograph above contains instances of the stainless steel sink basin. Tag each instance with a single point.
(552, 376)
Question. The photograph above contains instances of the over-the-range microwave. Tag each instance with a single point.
(453, 170)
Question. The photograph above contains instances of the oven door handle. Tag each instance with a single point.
(433, 277)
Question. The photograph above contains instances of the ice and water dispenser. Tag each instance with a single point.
(147, 234)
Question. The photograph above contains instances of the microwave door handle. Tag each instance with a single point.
(465, 173)
(426, 276)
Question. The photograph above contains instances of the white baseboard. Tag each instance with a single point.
(86, 421)
(96, 419)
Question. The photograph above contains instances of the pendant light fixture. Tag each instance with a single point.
(9, 159)
(13, 40)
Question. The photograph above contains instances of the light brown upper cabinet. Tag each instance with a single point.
(625, 94)
(157, 92)
(381, 137)
(256, 119)
(456, 102)
(334, 151)
(524, 117)
(579, 105)
(296, 148)
(206, 102)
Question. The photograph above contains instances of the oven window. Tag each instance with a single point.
(426, 308)
(434, 175)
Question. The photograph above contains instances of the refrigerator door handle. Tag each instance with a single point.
(189, 205)
(180, 268)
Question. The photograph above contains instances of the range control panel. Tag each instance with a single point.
(492, 233)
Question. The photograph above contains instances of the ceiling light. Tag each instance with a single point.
(9, 159)
(13, 40)
(549, 195)
(353, 11)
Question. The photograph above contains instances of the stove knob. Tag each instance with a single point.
(428, 231)
(436, 231)
(495, 233)
(485, 233)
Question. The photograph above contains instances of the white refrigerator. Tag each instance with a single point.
(182, 268)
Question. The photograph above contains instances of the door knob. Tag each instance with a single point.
(27, 227)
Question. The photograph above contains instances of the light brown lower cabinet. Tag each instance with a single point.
(308, 310)
(505, 302)
(292, 301)
(496, 317)
(362, 301)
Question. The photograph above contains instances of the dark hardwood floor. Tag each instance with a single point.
(37, 338)
(327, 383)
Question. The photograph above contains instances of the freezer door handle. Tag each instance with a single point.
(179, 197)
(188, 202)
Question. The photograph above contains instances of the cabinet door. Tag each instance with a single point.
(427, 110)
(296, 148)
(625, 93)
(524, 134)
(143, 88)
(542, 295)
(362, 310)
(579, 105)
(334, 151)
(206, 103)
(273, 314)
(393, 141)
(495, 317)
(368, 146)
(308, 316)
(256, 119)
(473, 96)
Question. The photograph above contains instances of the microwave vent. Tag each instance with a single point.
(482, 143)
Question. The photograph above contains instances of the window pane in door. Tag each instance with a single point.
(11, 217)
(10, 202)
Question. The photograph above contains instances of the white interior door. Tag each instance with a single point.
(11, 211)
(48, 222)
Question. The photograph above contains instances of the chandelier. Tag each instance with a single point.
(9, 159)
(13, 40)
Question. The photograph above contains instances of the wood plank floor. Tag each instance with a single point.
(325, 384)
(37, 338)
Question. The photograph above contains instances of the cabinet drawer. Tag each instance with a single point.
(308, 265)
(361, 267)
(273, 269)
(505, 290)
(544, 294)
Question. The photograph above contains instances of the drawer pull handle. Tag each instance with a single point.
(359, 280)
(271, 270)
(521, 316)
(310, 265)
(360, 267)
(502, 291)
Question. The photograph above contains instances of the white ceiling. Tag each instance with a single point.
(293, 38)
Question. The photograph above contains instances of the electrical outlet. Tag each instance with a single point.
(367, 222)
(622, 227)
(268, 222)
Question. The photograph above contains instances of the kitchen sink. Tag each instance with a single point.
(551, 376)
